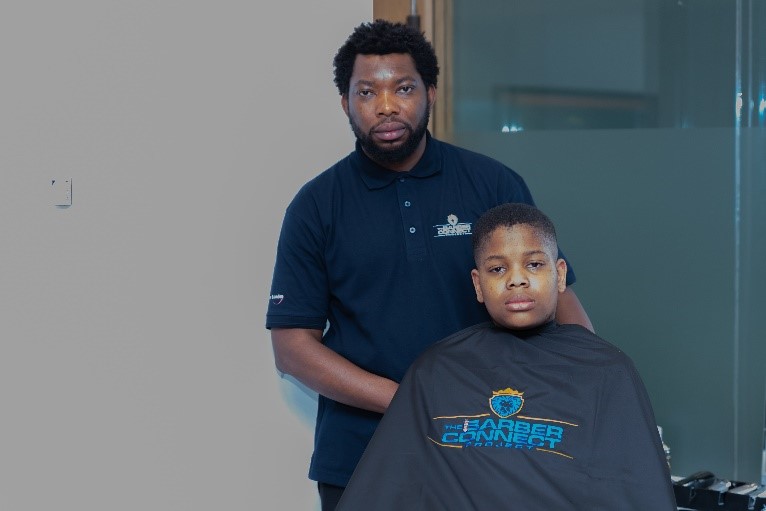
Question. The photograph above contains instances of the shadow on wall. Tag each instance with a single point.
(301, 399)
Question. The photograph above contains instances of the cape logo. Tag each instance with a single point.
(506, 402)
(276, 299)
(452, 227)
(506, 429)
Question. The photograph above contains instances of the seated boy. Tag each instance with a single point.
(519, 413)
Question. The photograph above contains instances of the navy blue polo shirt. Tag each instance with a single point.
(383, 260)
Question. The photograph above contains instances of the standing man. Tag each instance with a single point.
(374, 257)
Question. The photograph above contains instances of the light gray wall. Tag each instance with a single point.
(135, 371)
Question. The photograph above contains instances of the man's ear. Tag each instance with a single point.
(477, 285)
(344, 103)
(561, 275)
(431, 95)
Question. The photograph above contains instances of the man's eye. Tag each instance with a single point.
(364, 93)
(406, 89)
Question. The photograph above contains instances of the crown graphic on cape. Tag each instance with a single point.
(506, 402)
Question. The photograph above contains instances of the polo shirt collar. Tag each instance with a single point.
(376, 176)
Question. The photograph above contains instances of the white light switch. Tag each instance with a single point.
(61, 191)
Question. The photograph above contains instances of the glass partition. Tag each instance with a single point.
(639, 126)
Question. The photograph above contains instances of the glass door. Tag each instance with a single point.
(639, 127)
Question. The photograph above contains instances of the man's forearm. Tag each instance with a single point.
(301, 354)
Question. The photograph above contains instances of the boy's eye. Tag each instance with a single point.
(496, 269)
(535, 265)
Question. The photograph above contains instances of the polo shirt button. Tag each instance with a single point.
(407, 204)
(401, 180)
(412, 230)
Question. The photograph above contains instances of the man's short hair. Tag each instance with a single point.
(383, 37)
(510, 214)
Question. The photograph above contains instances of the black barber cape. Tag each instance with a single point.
(486, 419)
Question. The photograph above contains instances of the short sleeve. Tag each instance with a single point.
(299, 288)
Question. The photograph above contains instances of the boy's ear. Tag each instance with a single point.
(561, 275)
(476, 285)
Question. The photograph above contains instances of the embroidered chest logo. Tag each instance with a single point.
(496, 430)
(276, 299)
(452, 228)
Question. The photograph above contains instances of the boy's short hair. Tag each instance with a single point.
(383, 37)
(508, 215)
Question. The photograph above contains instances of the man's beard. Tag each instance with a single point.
(392, 155)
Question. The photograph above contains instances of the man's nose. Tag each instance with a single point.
(387, 104)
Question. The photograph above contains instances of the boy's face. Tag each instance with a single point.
(518, 277)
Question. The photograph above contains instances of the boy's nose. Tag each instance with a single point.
(516, 278)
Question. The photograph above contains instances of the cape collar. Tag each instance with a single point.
(545, 328)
